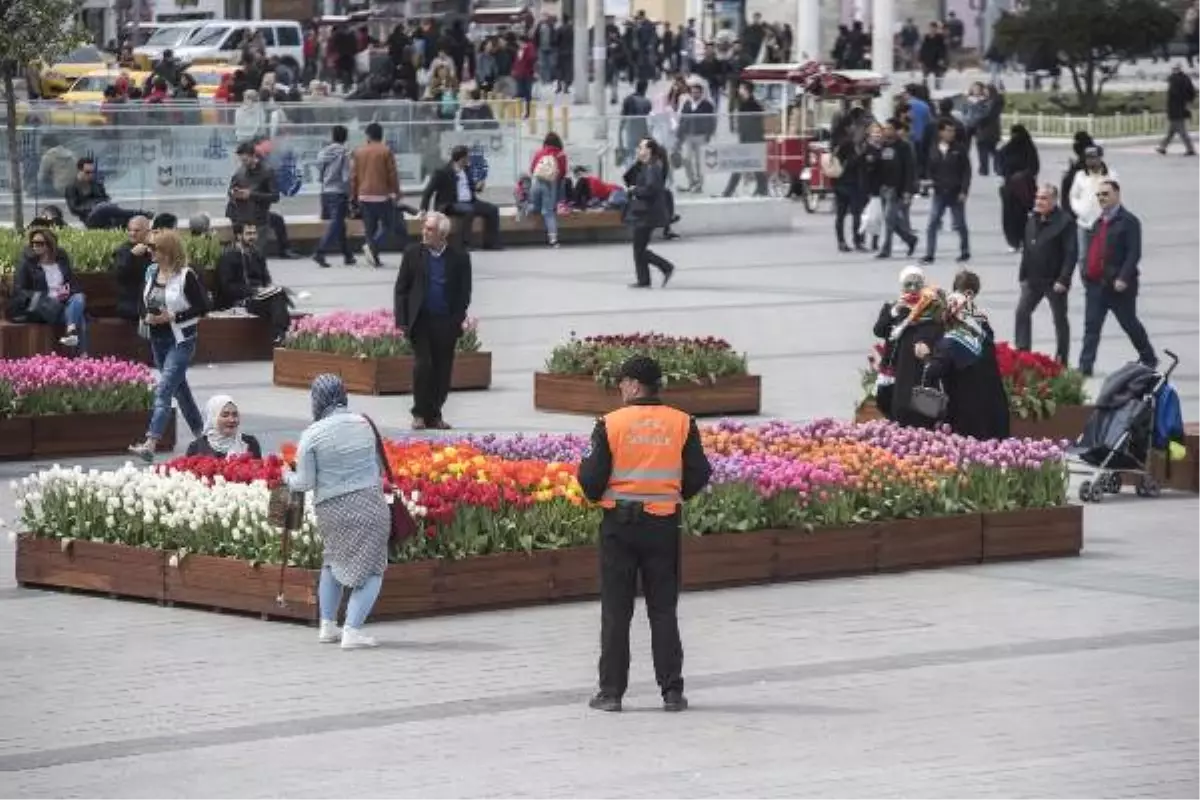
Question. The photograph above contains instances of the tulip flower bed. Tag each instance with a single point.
(504, 521)
(56, 406)
(703, 376)
(1046, 399)
(370, 354)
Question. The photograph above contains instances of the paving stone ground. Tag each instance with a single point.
(1063, 678)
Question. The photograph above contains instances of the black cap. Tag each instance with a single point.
(643, 369)
(1094, 150)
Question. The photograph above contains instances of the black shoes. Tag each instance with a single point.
(912, 246)
(667, 273)
(674, 701)
(605, 702)
(639, 286)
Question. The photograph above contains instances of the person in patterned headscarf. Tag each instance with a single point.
(909, 320)
(338, 461)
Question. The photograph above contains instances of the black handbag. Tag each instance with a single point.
(928, 401)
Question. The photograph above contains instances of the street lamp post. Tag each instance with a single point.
(882, 50)
(808, 30)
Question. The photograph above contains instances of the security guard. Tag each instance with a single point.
(644, 460)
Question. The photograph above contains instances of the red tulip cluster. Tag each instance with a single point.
(1019, 363)
(443, 499)
(238, 469)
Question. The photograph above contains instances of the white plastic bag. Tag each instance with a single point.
(872, 218)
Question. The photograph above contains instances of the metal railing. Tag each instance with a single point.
(1113, 126)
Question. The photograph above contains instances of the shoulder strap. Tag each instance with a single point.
(387, 468)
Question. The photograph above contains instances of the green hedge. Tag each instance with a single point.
(1067, 103)
(92, 251)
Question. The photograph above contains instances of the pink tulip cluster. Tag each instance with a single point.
(29, 375)
(379, 324)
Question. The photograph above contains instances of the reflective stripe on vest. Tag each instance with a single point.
(647, 457)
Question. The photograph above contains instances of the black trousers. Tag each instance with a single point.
(1014, 213)
(650, 549)
(465, 214)
(1031, 297)
(433, 340)
(274, 309)
(643, 256)
(760, 184)
(847, 204)
(1123, 305)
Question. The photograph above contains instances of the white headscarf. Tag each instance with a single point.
(232, 445)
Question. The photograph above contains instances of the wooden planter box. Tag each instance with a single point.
(115, 569)
(297, 368)
(1066, 423)
(100, 288)
(511, 579)
(78, 435)
(226, 339)
(580, 394)
(1033, 533)
(1183, 476)
(230, 584)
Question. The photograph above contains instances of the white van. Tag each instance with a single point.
(223, 41)
(166, 36)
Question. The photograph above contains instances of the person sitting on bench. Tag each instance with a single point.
(44, 292)
(128, 268)
(243, 281)
(454, 193)
(88, 200)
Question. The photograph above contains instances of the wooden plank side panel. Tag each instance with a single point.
(1033, 533)
(930, 542)
(494, 580)
(91, 566)
(235, 585)
(16, 438)
(1067, 422)
(94, 434)
(407, 591)
(580, 394)
(826, 552)
(118, 338)
(726, 559)
(575, 574)
(223, 340)
(374, 376)
(25, 340)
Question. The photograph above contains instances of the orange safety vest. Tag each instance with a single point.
(647, 457)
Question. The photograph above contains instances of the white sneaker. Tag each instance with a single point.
(70, 340)
(330, 633)
(355, 639)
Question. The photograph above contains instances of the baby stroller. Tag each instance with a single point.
(1136, 412)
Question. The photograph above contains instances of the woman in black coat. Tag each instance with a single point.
(964, 361)
(44, 289)
(1019, 167)
(903, 326)
(648, 210)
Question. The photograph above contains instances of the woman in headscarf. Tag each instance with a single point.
(910, 320)
(964, 361)
(223, 435)
(337, 460)
(1019, 168)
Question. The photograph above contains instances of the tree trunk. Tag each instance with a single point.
(14, 150)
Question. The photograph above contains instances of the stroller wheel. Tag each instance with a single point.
(1148, 487)
(1113, 483)
(1089, 493)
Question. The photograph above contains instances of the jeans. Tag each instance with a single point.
(1031, 298)
(958, 213)
(693, 160)
(543, 199)
(172, 359)
(643, 256)
(334, 207)
(73, 316)
(1083, 238)
(649, 548)
(362, 598)
(1100, 300)
(987, 156)
(895, 221)
(1177, 126)
(377, 220)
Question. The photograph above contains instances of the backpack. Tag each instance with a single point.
(546, 169)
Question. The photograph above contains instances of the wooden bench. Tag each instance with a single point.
(577, 227)
(100, 288)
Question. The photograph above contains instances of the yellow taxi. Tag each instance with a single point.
(80, 105)
(58, 77)
(208, 77)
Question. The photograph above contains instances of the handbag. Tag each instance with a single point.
(928, 401)
(831, 165)
(403, 525)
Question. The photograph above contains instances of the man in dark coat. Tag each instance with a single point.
(750, 130)
(433, 293)
(1047, 260)
(950, 176)
(129, 269)
(243, 281)
(1110, 278)
(1181, 93)
(453, 192)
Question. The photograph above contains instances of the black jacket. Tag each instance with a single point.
(129, 273)
(30, 277)
(647, 196)
(1123, 249)
(897, 169)
(82, 199)
(264, 192)
(978, 403)
(442, 189)
(595, 468)
(201, 447)
(240, 274)
(950, 172)
(1051, 249)
(749, 118)
(413, 280)
(1181, 93)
